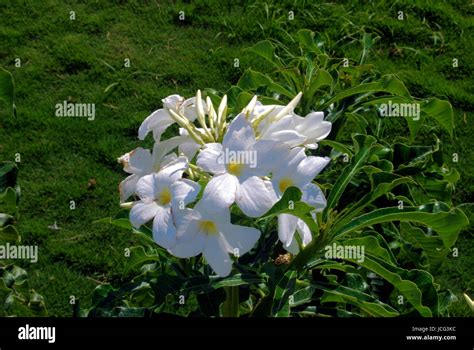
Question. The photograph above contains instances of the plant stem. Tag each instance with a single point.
(230, 308)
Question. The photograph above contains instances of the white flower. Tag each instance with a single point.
(297, 169)
(160, 120)
(207, 229)
(238, 180)
(298, 131)
(280, 123)
(162, 194)
(139, 162)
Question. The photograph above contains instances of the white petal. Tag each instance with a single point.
(141, 213)
(285, 123)
(183, 192)
(187, 223)
(215, 252)
(291, 137)
(189, 148)
(172, 102)
(208, 210)
(140, 161)
(173, 171)
(314, 127)
(308, 169)
(287, 162)
(253, 197)
(239, 135)
(157, 122)
(220, 191)
(304, 232)
(294, 247)
(164, 231)
(168, 159)
(264, 152)
(286, 228)
(313, 195)
(242, 238)
(189, 108)
(211, 159)
(127, 187)
(189, 248)
(145, 188)
(162, 148)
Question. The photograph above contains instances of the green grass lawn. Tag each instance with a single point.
(64, 159)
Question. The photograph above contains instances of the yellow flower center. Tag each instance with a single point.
(235, 168)
(164, 197)
(284, 184)
(208, 227)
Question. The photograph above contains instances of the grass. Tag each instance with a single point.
(76, 60)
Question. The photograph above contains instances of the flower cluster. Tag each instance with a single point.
(248, 162)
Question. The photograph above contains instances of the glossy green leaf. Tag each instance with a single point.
(369, 304)
(446, 222)
(415, 285)
(432, 246)
(281, 297)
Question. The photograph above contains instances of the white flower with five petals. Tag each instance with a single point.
(207, 229)
(161, 195)
(239, 181)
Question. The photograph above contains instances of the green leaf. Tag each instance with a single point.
(382, 183)
(367, 44)
(446, 222)
(302, 296)
(363, 146)
(415, 285)
(283, 290)
(252, 80)
(290, 204)
(138, 257)
(371, 246)
(339, 293)
(5, 219)
(266, 50)
(7, 89)
(388, 83)
(204, 284)
(306, 39)
(9, 200)
(9, 234)
(440, 110)
(320, 79)
(432, 246)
